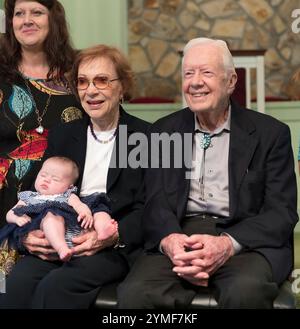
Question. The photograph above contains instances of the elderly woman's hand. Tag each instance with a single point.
(36, 244)
(87, 243)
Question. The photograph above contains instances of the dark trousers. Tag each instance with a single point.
(244, 281)
(39, 284)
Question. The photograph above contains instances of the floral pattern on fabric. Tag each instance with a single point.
(1, 96)
(20, 102)
(31, 149)
(4, 166)
(8, 258)
(22, 105)
(49, 87)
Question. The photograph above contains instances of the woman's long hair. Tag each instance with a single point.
(57, 47)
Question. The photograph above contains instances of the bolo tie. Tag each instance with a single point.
(205, 141)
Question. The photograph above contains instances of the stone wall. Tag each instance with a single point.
(159, 28)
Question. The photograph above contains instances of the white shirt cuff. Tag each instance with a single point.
(236, 245)
(160, 248)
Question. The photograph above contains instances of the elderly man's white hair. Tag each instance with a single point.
(227, 57)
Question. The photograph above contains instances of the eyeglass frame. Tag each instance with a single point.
(108, 82)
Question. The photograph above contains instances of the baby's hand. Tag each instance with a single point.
(86, 218)
(21, 221)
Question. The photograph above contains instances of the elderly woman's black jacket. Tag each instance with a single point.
(125, 186)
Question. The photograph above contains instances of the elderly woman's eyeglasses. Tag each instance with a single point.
(98, 82)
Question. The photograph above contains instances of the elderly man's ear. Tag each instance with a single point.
(232, 82)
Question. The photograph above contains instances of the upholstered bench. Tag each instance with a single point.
(107, 298)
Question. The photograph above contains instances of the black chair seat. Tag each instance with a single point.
(107, 298)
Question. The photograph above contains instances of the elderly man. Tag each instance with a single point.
(228, 225)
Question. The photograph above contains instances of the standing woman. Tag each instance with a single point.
(35, 55)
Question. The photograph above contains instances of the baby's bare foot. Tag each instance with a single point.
(108, 230)
(65, 254)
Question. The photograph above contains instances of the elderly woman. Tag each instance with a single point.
(103, 79)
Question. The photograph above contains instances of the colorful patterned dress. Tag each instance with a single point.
(21, 146)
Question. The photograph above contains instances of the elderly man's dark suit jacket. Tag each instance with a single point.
(125, 186)
(262, 188)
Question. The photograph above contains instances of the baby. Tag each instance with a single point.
(55, 207)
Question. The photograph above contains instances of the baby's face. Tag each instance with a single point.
(53, 178)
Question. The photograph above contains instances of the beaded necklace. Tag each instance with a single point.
(101, 141)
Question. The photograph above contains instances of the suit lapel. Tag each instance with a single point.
(241, 150)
